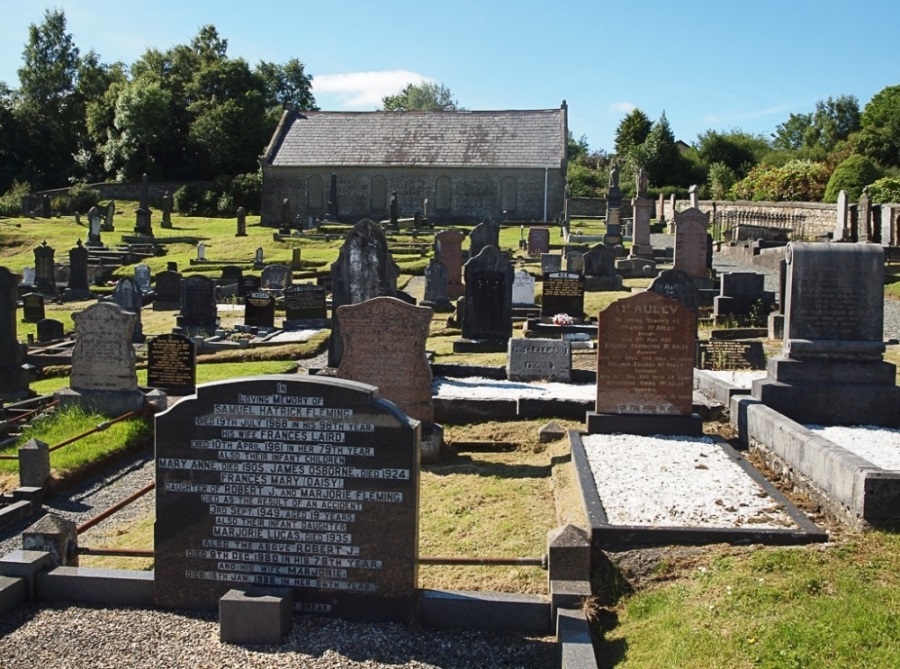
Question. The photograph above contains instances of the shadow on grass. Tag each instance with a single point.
(458, 463)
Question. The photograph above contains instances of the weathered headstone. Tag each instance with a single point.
(77, 287)
(259, 309)
(44, 268)
(167, 294)
(575, 262)
(276, 277)
(384, 346)
(691, 243)
(364, 269)
(13, 372)
(241, 222)
(831, 370)
(551, 262)
(127, 294)
(539, 360)
(296, 262)
(103, 362)
(437, 294)
(304, 303)
(640, 236)
(538, 242)
(488, 301)
(842, 223)
(308, 483)
(198, 304)
(172, 364)
(231, 274)
(33, 307)
(563, 293)
(645, 367)
(742, 296)
(28, 276)
(166, 210)
(676, 285)
(109, 219)
(143, 277)
(864, 217)
(248, 284)
(49, 329)
(143, 225)
(523, 289)
(600, 269)
(448, 249)
(484, 234)
(94, 227)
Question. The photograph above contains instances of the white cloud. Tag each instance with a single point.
(363, 90)
(621, 107)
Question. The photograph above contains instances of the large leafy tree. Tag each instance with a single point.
(817, 134)
(141, 123)
(879, 135)
(632, 131)
(286, 86)
(426, 96)
(737, 150)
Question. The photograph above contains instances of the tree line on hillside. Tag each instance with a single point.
(809, 157)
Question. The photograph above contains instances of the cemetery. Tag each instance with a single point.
(456, 426)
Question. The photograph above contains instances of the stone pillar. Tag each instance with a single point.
(241, 222)
(34, 464)
(56, 536)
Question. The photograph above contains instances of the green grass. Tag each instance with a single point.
(58, 426)
(825, 606)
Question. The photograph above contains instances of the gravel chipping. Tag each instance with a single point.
(878, 445)
(75, 636)
(476, 387)
(676, 482)
(737, 377)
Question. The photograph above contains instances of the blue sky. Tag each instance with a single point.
(722, 64)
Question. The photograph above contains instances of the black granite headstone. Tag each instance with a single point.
(276, 277)
(172, 364)
(307, 483)
(484, 234)
(33, 308)
(167, 295)
(198, 303)
(259, 310)
(364, 269)
(13, 373)
(563, 293)
(723, 354)
(44, 269)
(248, 284)
(231, 274)
(489, 279)
(78, 268)
(49, 329)
(304, 301)
(677, 285)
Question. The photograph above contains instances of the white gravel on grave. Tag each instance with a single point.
(476, 387)
(290, 336)
(878, 445)
(740, 378)
(677, 482)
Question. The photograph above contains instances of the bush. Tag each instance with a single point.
(852, 175)
(11, 201)
(246, 192)
(82, 198)
(886, 189)
(796, 181)
(721, 179)
(186, 200)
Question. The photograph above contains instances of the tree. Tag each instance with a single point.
(833, 121)
(141, 122)
(738, 150)
(661, 156)
(791, 135)
(797, 181)
(286, 86)
(632, 131)
(879, 135)
(427, 96)
(851, 176)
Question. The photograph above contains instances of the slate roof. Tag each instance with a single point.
(525, 138)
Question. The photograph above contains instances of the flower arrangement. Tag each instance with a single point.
(563, 319)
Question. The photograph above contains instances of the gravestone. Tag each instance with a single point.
(487, 319)
(600, 269)
(888, 217)
(539, 360)
(44, 269)
(143, 225)
(127, 294)
(45, 207)
(364, 269)
(103, 375)
(166, 210)
(563, 293)
(94, 238)
(394, 210)
(285, 225)
(671, 223)
(484, 234)
(693, 197)
(241, 222)
(13, 371)
(842, 223)
(645, 368)
(143, 278)
(276, 277)
(231, 275)
(249, 283)
(259, 309)
(109, 219)
(448, 249)
(28, 276)
(384, 346)
(437, 294)
(198, 304)
(258, 261)
(742, 296)
(307, 483)
(49, 329)
(167, 293)
(691, 243)
(661, 209)
(296, 263)
(331, 211)
(538, 242)
(172, 364)
(523, 289)
(676, 285)
(575, 262)
(551, 262)
(864, 217)
(727, 354)
(201, 252)
(830, 370)
(77, 287)
(304, 304)
(33, 308)
(640, 236)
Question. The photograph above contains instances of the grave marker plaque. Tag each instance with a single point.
(488, 305)
(690, 242)
(259, 310)
(721, 354)
(198, 303)
(538, 242)
(49, 329)
(33, 308)
(305, 301)
(523, 289)
(284, 481)
(645, 356)
(539, 360)
(172, 364)
(563, 294)
(276, 277)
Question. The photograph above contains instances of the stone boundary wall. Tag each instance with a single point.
(577, 207)
(807, 220)
(132, 190)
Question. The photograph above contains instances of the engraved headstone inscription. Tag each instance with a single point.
(539, 360)
(488, 311)
(198, 303)
(49, 329)
(33, 308)
(304, 302)
(563, 293)
(259, 309)
(276, 277)
(172, 364)
(307, 483)
(676, 285)
(538, 242)
(448, 249)
(523, 289)
(690, 243)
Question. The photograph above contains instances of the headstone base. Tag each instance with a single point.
(306, 324)
(635, 267)
(480, 346)
(597, 284)
(106, 402)
(644, 424)
(642, 251)
(831, 393)
(776, 326)
(260, 616)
